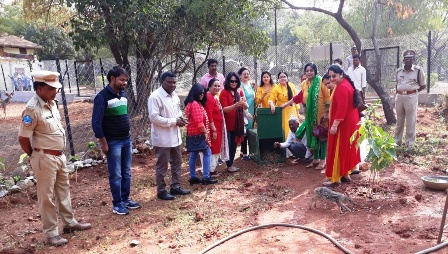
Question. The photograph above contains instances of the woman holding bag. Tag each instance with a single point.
(317, 99)
(198, 134)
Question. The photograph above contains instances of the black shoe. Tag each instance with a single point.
(164, 195)
(195, 180)
(179, 191)
(354, 172)
(209, 181)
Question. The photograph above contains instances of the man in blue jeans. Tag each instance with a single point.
(110, 123)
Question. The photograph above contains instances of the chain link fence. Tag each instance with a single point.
(84, 79)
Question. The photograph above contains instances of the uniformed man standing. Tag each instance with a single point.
(410, 81)
(42, 138)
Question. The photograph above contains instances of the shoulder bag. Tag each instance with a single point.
(319, 131)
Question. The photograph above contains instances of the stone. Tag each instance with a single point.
(94, 163)
(134, 243)
(3, 193)
(78, 163)
(87, 165)
(88, 161)
(135, 151)
(9, 182)
(25, 184)
(15, 189)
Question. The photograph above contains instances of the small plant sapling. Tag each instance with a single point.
(381, 145)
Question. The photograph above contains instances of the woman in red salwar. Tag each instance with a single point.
(218, 135)
(342, 155)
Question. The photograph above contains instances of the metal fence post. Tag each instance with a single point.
(77, 79)
(428, 78)
(4, 80)
(64, 103)
(224, 65)
(68, 76)
(102, 72)
(331, 53)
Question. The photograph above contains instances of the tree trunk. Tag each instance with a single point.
(375, 83)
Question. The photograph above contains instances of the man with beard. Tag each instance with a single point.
(110, 123)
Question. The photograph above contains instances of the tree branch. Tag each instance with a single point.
(291, 6)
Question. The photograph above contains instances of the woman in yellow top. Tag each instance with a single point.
(281, 94)
(316, 97)
(264, 90)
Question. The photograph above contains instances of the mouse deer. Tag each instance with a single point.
(5, 102)
(326, 193)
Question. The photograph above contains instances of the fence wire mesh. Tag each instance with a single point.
(82, 80)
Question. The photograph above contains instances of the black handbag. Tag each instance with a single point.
(196, 143)
(319, 131)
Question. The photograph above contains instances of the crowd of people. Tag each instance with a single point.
(218, 112)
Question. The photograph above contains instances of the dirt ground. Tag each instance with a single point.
(401, 216)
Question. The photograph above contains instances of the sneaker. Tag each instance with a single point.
(57, 241)
(130, 204)
(120, 209)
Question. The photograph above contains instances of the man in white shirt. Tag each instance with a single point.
(166, 119)
(358, 74)
(297, 148)
(349, 59)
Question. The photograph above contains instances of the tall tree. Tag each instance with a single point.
(166, 34)
(372, 81)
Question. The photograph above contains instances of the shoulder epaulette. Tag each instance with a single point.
(32, 103)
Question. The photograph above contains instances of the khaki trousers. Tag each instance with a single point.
(406, 109)
(52, 181)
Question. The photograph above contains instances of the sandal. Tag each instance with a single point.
(322, 165)
(329, 184)
(313, 164)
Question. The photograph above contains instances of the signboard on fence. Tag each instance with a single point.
(323, 52)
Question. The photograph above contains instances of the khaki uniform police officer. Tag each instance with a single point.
(410, 81)
(42, 137)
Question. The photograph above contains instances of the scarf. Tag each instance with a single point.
(311, 115)
(239, 123)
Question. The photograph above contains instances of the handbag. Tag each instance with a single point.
(362, 107)
(196, 143)
(319, 131)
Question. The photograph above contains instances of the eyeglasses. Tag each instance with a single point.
(233, 81)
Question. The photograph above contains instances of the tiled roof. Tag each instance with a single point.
(12, 41)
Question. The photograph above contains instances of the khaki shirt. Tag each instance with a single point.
(408, 80)
(41, 122)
